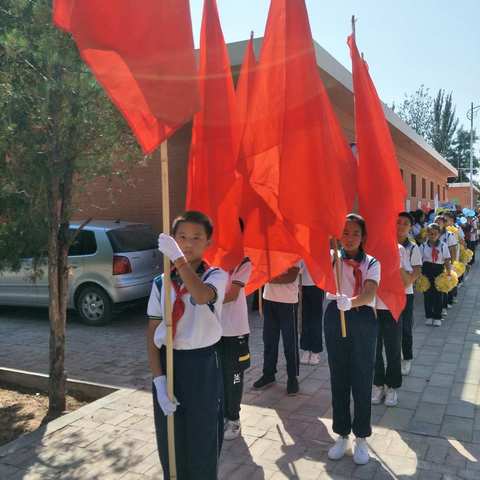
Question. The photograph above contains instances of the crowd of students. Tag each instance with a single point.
(211, 329)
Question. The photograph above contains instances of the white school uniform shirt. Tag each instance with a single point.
(371, 270)
(404, 263)
(283, 292)
(443, 253)
(235, 314)
(413, 259)
(307, 280)
(200, 325)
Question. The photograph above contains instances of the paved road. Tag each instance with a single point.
(434, 433)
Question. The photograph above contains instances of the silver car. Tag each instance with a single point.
(111, 262)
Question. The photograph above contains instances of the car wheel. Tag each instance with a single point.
(94, 306)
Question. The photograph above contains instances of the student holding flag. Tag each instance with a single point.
(351, 360)
(198, 294)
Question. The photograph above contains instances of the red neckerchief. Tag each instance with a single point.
(357, 273)
(180, 290)
(434, 253)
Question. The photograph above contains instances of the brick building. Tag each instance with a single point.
(459, 194)
(424, 171)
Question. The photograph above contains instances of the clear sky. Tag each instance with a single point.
(405, 42)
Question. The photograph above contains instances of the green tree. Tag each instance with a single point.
(58, 130)
(445, 123)
(459, 155)
(417, 111)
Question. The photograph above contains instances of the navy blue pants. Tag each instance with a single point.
(199, 417)
(433, 299)
(280, 318)
(312, 319)
(390, 338)
(407, 328)
(351, 361)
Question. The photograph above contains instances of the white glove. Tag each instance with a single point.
(168, 407)
(169, 247)
(344, 303)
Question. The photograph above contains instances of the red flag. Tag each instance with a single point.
(142, 55)
(381, 190)
(296, 156)
(213, 184)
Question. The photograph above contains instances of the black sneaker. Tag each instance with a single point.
(263, 382)
(292, 386)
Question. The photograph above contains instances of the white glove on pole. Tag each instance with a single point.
(344, 303)
(169, 247)
(168, 407)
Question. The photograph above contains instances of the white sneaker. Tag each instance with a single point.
(449, 306)
(437, 323)
(377, 395)
(314, 358)
(232, 430)
(444, 312)
(455, 300)
(339, 449)
(360, 452)
(305, 358)
(406, 367)
(428, 321)
(391, 398)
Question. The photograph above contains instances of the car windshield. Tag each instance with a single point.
(134, 238)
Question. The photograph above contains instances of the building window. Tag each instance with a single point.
(424, 188)
(401, 172)
(443, 193)
(438, 192)
(431, 190)
(413, 186)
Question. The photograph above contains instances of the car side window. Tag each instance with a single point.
(84, 244)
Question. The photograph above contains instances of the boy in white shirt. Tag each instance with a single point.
(198, 292)
(280, 316)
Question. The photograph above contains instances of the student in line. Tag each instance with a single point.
(351, 360)
(311, 341)
(412, 272)
(436, 258)
(233, 347)
(280, 317)
(198, 292)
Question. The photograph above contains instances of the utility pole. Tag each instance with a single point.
(470, 115)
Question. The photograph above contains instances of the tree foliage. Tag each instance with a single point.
(57, 131)
(459, 155)
(444, 124)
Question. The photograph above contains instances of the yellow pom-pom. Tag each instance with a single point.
(421, 237)
(445, 283)
(452, 229)
(466, 256)
(459, 268)
(422, 284)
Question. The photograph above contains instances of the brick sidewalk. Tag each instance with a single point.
(434, 433)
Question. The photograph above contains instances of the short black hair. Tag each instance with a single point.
(193, 216)
(407, 216)
(450, 214)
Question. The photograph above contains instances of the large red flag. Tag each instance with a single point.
(213, 183)
(381, 192)
(294, 150)
(142, 54)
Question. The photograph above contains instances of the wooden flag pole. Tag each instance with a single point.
(167, 285)
(260, 301)
(338, 283)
